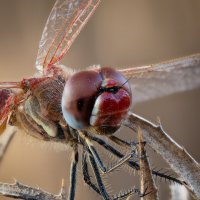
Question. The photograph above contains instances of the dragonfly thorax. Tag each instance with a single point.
(100, 99)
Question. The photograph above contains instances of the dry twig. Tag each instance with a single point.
(146, 179)
(176, 156)
(20, 191)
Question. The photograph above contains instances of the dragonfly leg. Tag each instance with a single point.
(100, 184)
(87, 180)
(86, 175)
(114, 151)
(133, 164)
(133, 145)
(121, 142)
(73, 171)
(123, 159)
(91, 149)
(100, 163)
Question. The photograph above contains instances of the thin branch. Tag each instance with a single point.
(176, 156)
(146, 179)
(20, 191)
(5, 139)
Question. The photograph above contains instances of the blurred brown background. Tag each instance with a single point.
(121, 33)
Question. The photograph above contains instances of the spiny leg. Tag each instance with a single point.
(100, 184)
(120, 141)
(87, 179)
(157, 173)
(124, 143)
(118, 196)
(73, 170)
(114, 151)
(91, 149)
(100, 163)
(121, 195)
(93, 186)
(132, 164)
(86, 175)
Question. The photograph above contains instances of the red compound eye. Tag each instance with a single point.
(96, 98)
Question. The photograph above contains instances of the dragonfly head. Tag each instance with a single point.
(99, 99)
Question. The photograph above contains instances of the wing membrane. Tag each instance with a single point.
(153, 81)
(65, 22)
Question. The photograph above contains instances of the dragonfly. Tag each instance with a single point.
(75, 108)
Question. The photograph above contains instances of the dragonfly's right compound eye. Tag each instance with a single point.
(79, 97)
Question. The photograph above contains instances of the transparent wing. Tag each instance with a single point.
(65, 21)
(153, 81)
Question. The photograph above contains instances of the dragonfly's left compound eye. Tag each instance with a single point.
(79, 97)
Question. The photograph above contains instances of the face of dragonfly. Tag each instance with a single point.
(104, 53)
